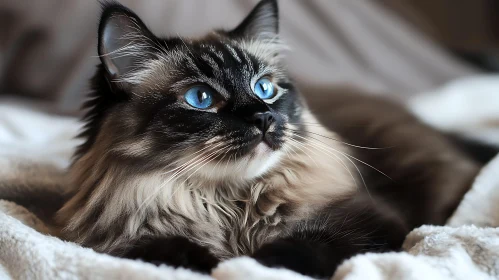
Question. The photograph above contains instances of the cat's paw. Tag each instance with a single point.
(176, 252)
(294, 255)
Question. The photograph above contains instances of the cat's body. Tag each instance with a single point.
(425, 173)
(231, 217)
(164, 178)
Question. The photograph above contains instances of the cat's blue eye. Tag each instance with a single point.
(264, 88)
(200, 97)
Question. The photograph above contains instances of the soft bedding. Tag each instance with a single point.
(35, 148)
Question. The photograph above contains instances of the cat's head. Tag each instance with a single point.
(219, 106)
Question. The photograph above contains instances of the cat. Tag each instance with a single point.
(201, 149)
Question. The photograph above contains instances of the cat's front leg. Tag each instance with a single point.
(174, 251)
(316, 246)
(294, 254)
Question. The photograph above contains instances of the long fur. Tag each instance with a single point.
(153, 169)
(234, 205)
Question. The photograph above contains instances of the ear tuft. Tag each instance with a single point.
(262, 23)
(123, 40)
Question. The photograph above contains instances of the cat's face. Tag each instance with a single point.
(220, 106)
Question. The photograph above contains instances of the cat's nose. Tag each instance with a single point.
(262, 120)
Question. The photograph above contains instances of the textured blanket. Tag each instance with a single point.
(35, 148)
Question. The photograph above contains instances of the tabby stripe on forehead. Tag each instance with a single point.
(191, 64)
(220, 63)
(233, 52)
(249, 62)
(217, 53)
(257, 67)
(211, 62)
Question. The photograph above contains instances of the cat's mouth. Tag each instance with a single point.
(267, 140)
(244, 160)
(262, 148)
(262, 145)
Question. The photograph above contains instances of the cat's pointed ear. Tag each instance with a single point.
(261, 23)
(123, 40)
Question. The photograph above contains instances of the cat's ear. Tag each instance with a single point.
(262, 22)
(124, 40)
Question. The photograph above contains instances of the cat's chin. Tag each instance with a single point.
(260, 160)
(261, 150)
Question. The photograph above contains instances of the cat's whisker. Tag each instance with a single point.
(198, 161)
(305, 123)
(182, 166)
(208, 160)
(294, 151)
(344, 125)
(347, 155)
(323, 147)
(204, 160)
(288, 153)
(348, 144)
(173, 177)
(207, 147)
(176, 174)
(155, 193)
(297, 146)
(220, 160)
(337, 159)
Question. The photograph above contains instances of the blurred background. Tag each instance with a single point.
(401, 47)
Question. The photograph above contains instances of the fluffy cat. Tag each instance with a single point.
(201, 149)
(155, 164)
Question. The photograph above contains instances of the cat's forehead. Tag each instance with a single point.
(225, 65)
(238, 50)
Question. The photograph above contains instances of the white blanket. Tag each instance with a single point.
(468, 248)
